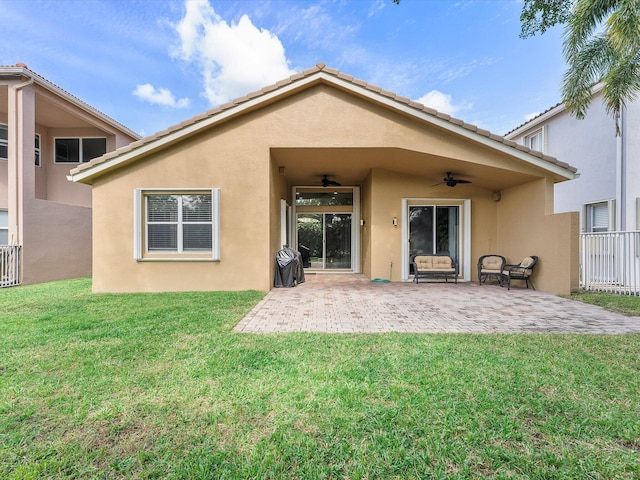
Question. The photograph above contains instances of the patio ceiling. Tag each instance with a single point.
(54, 111)
(350, 166)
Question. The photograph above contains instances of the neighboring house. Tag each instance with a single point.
(607, 193)
(207, 204)
(44, 132)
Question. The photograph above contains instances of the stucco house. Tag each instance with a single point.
(607, 192)
(44, 132)
(325, 162)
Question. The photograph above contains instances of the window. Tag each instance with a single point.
(177, 222)
(535, 141)
(4, 227)
(37, 145)
(598, 216)
(4, 142)
(79, 150)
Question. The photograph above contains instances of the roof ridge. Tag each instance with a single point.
(324, 69)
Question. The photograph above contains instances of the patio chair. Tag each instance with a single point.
(491, 266)
(521, 271)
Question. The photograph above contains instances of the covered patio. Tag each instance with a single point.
(350, 303)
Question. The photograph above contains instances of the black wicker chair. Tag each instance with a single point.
(491, 266)
(521, 271)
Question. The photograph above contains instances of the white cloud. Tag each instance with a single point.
(442, 102)
(234, 59)
(376, 6)
(160, 96)
(531, 116)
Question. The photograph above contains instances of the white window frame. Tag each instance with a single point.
(80, 146)
(140, 252)
(5, 141)
(5, 227)
(589, 210)
(539, 133)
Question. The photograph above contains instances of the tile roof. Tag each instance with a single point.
(319, 68)
(22, 69)
(533, 119)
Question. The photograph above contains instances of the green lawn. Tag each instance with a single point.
(620, 303)
(157, 386)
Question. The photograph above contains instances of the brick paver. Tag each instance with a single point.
(353, 304)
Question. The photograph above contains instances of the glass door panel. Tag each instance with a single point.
(337, 240)
(310, 236)
(434, 230)
(327, 236)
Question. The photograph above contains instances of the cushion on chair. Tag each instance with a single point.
(433, 263)
(441, 263)
(491, 264)
(526, 262)
(424, 262)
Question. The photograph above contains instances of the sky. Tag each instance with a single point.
(151, 64)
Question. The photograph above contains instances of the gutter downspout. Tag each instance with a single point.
(13, 90)
(619, 172)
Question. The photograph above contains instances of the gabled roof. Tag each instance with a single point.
(320, 74)
(544, 116)
(22, 72)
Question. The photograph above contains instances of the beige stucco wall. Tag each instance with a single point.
(238, 169)
(278, 190)
(388, 190)
(527, 226)
(57, 241)
(236, 157)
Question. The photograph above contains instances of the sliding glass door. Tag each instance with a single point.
(327, 236)
(434, 230)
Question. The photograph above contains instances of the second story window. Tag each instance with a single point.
(535, 141)
(4, 142)
(37, 145)
(79, 150)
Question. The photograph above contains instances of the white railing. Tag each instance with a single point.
(610, 262)
(9, 265)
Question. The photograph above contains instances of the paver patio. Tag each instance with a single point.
(352, 304)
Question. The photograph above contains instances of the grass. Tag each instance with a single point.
(157, 386)
(619, 303)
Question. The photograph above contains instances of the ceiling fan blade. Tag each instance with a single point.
(326, 182)
(450, 181)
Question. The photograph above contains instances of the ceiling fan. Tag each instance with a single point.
(326, 182)
(450, 181)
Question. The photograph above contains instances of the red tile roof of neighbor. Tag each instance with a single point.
(320, 68)
(22, 69)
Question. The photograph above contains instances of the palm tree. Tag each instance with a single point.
(602, 44)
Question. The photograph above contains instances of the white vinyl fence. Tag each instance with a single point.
(9, 265)
(610, 262)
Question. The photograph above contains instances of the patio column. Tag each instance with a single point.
(20, 155)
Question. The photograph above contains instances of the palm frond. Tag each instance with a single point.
(586, 68)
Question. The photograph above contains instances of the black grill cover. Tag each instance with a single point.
(289, 271)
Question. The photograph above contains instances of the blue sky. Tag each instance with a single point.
(150, 64)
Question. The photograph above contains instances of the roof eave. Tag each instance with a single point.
(88, 172)
(58, 91)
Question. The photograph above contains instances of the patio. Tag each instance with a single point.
(352, 304)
